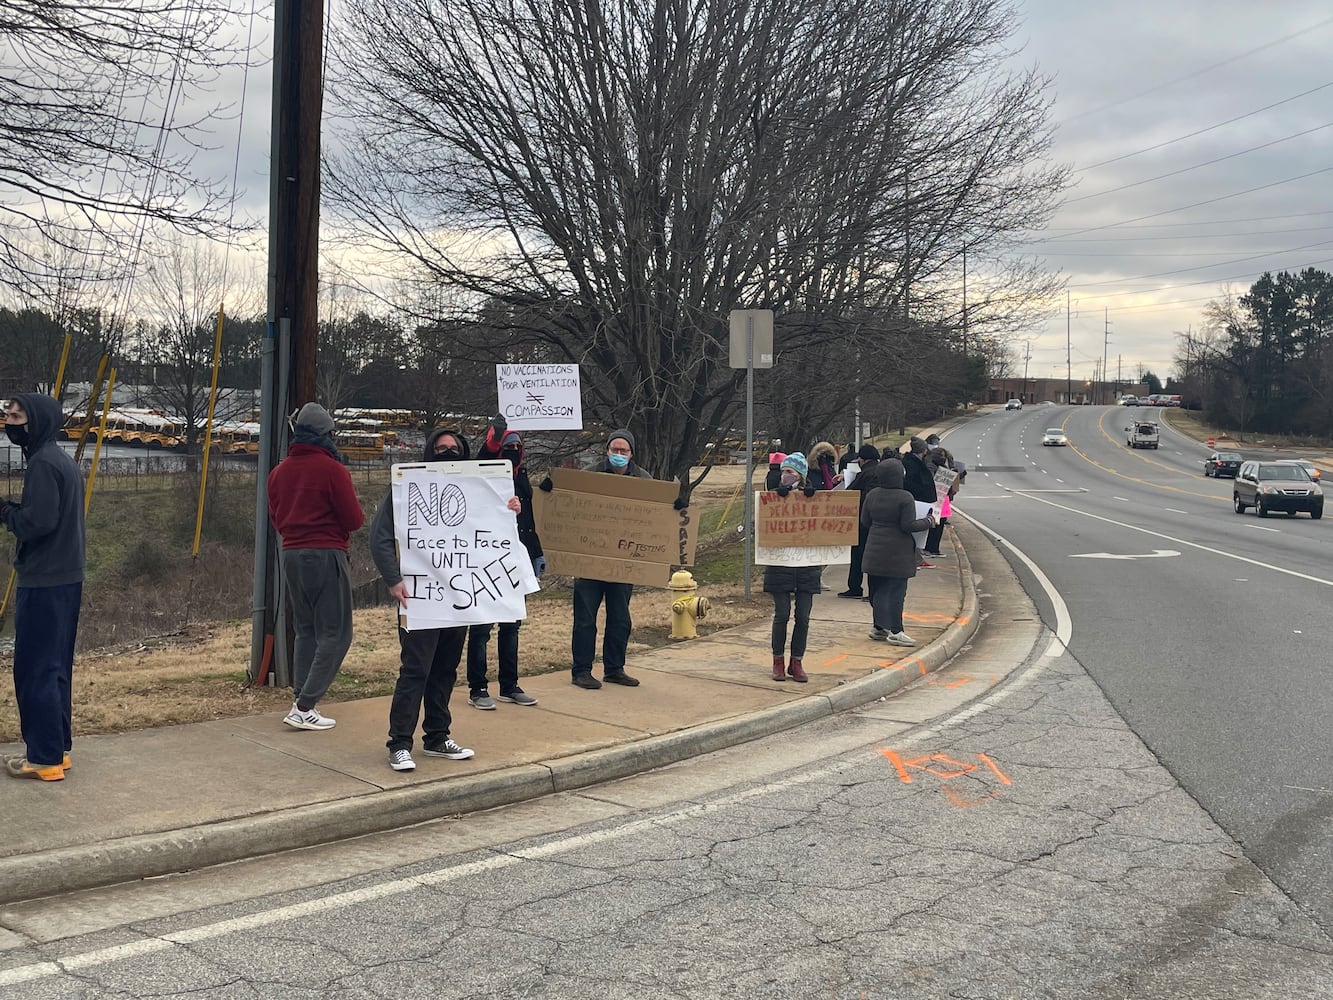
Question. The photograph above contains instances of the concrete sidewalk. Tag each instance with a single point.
(165, 800)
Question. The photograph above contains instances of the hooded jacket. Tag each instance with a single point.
(823, 459)
(527, 525)
(311, 499)
(383, 547)
(889, 512)
(48, 521)
(920, 478)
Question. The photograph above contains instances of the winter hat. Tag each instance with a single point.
(512, 437)
(797, 463)
(868, 453)
(776, 457)
(918, 446)
(622, 433)
(315, 417)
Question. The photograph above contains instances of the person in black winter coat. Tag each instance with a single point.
(890, 551)
(501, 442)
(792, 584)
(920, 482)
(865, 481)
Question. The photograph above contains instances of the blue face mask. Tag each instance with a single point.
(618, 461)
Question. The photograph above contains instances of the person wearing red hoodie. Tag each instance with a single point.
(314, 507)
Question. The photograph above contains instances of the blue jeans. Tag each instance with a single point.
(588, 597)
(46, 621)
(888, 594)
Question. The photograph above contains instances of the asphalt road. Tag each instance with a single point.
(1208, 631)
(995, 832)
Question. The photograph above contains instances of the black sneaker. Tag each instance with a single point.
(850, 593)
(448, 748)
(620, 677)
(586, 680)
(517, 697)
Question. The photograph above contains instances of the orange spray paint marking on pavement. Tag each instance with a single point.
(998, 773)
(898, 765)
(836, 659)
(949, 685)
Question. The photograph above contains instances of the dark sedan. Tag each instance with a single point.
(1222, 464)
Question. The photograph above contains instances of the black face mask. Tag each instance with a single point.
(17, 433)
(448, 455)
(510, 454)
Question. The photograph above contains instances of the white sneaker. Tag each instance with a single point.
(311, 720)
(401, 760)
(901, 639)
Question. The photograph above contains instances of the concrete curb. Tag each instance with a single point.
(128, 859)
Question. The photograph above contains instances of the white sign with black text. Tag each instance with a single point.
(458, 545)
(540, 397)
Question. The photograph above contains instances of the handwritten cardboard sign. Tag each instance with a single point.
(944, 477)
(540, 397)
(458, 545)
(830, 517)
(617, 528)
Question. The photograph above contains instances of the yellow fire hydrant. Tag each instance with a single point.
(685, 610)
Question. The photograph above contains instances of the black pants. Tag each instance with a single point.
(506, 646)
(854, 572)
(426, 675)
(888, 595)
(800, 631)
(46, 620)
(588, 597)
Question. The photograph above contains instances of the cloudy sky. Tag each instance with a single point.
(1201, 136)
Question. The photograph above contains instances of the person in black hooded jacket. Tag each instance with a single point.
(429, 657)
(501, 442)
(48, 524)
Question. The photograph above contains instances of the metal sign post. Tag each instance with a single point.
(751, 346)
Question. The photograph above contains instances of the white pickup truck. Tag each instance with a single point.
(1141, 434)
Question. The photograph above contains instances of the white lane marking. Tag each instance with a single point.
(1125, 499)
(1019, 489)
(1174, 511)
(1183, 541)
(1154, 554)
(1064, 624)
(1058, 479)
(1260, 527)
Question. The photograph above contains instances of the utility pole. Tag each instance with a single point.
(287, 359)
(1106, 343)
(1027, 356)
(1117, 375)
(1069, 371)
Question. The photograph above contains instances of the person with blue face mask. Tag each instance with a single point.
(589, 594)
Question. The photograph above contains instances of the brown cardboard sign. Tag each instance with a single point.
(617, 528)
(830, 517)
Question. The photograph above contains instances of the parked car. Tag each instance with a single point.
(1222, 464)
(1310, 468)
(1014, 404)
(1054, 438)
(1270, 486)
(1129, 400)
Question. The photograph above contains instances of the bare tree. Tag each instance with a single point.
(621, 175)
(183, 288)
(91, 139)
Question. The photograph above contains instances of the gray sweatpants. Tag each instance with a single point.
(319, 586)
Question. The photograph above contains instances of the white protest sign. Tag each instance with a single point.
(540, 397)
(922, 509)
(458, 545)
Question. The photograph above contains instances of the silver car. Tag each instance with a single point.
(1271, 486)
(1054, 438)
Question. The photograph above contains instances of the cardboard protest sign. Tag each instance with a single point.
(458, 545)
(540, 397)
(830, 517)
(617, 528)
(944, 477)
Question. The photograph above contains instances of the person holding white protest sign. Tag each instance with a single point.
(429, 656)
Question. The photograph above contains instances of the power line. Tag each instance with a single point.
(1187, 270)
(1182, 236)
(1198, 72)
(1214, 222)
(1198, 166)
(1209, 281)
(1210, 128)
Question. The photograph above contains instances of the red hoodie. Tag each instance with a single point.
(311, 500)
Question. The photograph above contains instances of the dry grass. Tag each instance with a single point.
(196, 672)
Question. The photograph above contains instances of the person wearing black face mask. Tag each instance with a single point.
(48, 525)
(508, 446)
(429, 658)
